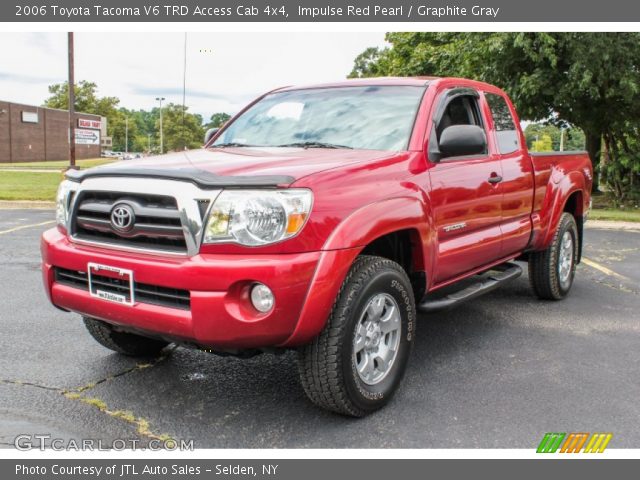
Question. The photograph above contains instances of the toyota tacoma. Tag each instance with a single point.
(321, 218)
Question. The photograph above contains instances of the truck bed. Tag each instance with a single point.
(556, 175)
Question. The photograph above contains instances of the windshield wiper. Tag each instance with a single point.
(314, 145)
(232, 144)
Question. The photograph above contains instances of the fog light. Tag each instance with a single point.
(262, 298)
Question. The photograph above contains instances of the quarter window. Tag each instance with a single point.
(506, 132)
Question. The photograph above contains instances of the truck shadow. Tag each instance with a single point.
(225, 402)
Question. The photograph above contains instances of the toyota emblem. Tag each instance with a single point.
(122, 218)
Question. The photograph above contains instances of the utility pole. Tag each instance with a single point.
(561, 139)
(149, 139)
(160, 99)
(184, 91)
(72, 109)
(126, 134)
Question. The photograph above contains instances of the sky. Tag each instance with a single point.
(224, 70)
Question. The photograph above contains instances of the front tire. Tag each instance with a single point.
(357, 362)
(551, 271)
(121, 342)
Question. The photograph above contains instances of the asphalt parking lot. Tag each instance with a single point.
(498, 372)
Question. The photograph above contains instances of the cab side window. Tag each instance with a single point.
(506, 132)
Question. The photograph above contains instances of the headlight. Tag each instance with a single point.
(62, 202)
(255, 217)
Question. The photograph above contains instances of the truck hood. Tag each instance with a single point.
(216, 167)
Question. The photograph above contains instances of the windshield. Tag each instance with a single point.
(374, 117)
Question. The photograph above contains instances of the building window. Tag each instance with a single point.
(29, 117)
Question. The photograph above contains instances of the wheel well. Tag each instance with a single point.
(575, 206)
(404, 248)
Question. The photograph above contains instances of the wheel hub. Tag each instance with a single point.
(372, 339)
(377, 338)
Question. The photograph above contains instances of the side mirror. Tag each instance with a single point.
(460, 140)
(209, 135)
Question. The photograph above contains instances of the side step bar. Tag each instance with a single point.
(497, 276)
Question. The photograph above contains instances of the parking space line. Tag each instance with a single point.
(22, 227)
(602, 268)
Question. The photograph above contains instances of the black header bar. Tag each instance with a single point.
(279, 469)
(319, 11)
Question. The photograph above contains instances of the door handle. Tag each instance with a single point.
(494, 178)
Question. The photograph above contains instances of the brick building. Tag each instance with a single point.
(36, 134)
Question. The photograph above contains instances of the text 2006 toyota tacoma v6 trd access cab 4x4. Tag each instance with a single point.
(321, 218)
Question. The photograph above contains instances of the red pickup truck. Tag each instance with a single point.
(321, 218)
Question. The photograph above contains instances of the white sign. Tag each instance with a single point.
(30, 117)
(85, 123)
(87, 137)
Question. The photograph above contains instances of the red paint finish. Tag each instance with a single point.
(458, 221)
(464, 202)
(221, 315)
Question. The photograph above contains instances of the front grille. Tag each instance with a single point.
(143, 292)
(157, 224)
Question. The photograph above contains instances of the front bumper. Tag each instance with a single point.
(220, 314)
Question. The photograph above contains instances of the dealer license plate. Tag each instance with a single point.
(111, 283)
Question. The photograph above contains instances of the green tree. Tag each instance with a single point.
(182, 130)
(141, 143)
(87, 99)
(218, 120)
(148, 136)
(534, 132)
(369, 63)
(621, 162)
(590, 80)
(120, 122)
(542, 145)
(139, 126)
(573, 137)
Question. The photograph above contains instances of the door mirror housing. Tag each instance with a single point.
(461, 140)
(209, 135)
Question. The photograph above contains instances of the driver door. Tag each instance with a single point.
(466, 196)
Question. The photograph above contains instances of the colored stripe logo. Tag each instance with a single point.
(574, 442)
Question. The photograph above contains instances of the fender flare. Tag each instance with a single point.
(346, 242)
(381, 218)
(555, 201)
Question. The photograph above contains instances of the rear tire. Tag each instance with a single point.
(357, 362)
(121, 342)
(551, 271)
